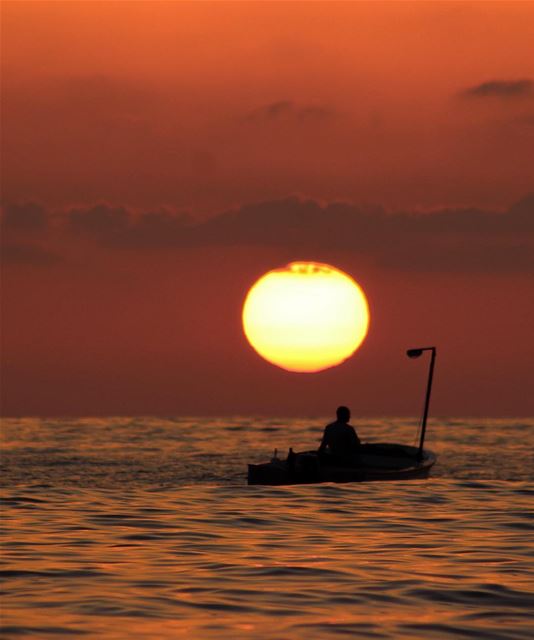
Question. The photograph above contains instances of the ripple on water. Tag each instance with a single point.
(111, 553)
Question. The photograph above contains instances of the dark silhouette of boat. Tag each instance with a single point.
(372, 462)
(380, 461)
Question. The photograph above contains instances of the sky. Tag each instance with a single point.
(159, 157)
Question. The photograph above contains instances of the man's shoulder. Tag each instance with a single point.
(335, 426)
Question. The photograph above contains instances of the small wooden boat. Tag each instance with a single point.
(374, 461)
(377, 461)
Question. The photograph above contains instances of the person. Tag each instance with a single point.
(339, 438)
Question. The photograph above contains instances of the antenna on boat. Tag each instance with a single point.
(415, 353)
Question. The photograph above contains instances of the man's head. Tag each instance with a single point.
(343, 414)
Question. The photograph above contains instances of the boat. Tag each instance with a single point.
(372, 462)
(375, 461)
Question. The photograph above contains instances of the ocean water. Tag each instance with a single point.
(145, 528)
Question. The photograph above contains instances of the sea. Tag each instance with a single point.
(145, 527)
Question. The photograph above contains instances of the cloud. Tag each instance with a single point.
(521, 215)
(101, 220)
(26, 217)
(501, 89)
(28, 255)
(284, 110)
(460, 257)
(446, 240)
(119, 227)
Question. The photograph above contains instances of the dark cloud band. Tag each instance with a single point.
(501, 89)
(444, 240)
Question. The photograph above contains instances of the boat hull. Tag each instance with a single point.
(374, 462)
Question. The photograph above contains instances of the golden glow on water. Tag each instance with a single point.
(144, 528)
(306, 317)
(388, 560)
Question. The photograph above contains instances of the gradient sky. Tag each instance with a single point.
(158, 157)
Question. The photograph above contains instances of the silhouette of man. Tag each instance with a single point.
(339, 438)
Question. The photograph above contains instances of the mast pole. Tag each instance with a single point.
(427, 402)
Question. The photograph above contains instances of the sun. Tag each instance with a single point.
(305, 317)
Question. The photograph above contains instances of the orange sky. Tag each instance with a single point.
(194, 109)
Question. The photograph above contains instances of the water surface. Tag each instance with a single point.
(145, 528)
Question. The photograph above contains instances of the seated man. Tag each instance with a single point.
(339, 438)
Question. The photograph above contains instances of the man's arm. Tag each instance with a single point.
(355, 440)
(324, 441)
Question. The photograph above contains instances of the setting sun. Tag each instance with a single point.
(305, 317)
